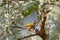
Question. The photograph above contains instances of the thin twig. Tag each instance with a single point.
(27, 36)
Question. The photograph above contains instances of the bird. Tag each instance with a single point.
(30, 26)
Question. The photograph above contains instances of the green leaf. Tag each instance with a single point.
(29, 7)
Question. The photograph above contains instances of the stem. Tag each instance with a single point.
(42, 32)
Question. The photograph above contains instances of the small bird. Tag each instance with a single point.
(30, 26)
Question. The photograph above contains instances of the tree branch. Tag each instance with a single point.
(27, 36)
(15, 26)
(20, 27)
(42, 30)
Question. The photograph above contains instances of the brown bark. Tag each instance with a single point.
(42, 32)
